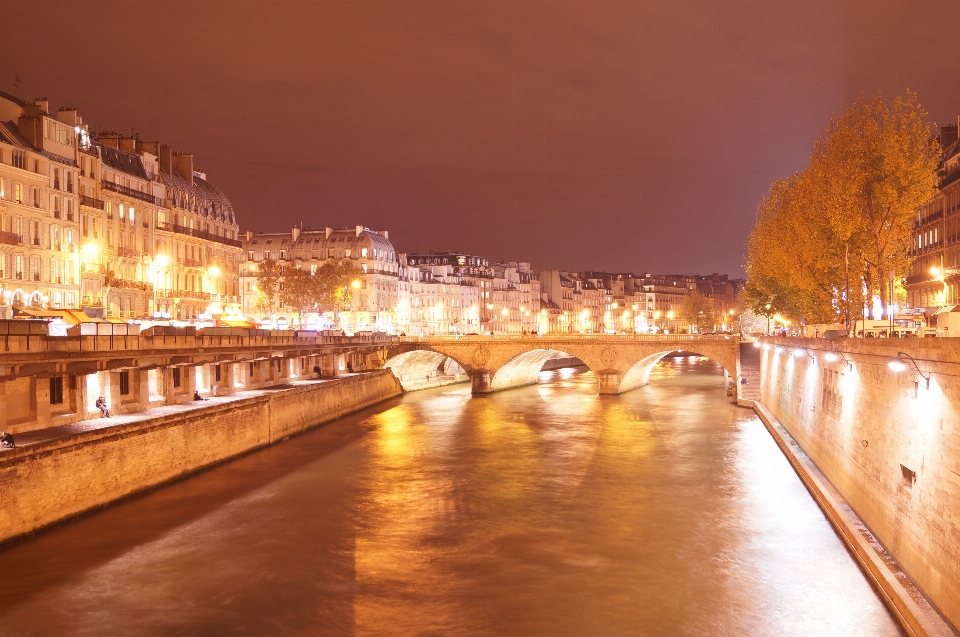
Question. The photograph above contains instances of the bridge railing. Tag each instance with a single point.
(658, 338)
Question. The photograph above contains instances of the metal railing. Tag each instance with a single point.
(130, 192)
(9, 238)
(202, 234)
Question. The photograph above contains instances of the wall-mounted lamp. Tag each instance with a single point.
(835, 356)
(906, 362)
(756, 343)
(800, 351)
(778, 349)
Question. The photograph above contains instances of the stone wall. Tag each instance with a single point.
(48, 482)
(888, 441)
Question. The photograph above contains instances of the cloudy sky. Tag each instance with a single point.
(629, 136)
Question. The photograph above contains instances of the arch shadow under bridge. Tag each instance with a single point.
(493, 363)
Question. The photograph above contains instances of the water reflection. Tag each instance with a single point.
(546, 510)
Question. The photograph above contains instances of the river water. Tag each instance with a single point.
(546, 510)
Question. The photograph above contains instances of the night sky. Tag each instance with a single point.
(630, 136)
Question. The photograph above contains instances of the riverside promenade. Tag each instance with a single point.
(59, 472)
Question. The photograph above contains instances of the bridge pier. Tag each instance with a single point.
(609, 382)
(481, 382)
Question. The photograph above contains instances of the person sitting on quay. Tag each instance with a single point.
(102, 406)
(318, 371)
(6, 440)
(349, 367)
(197, 396)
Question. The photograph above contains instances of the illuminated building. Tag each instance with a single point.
(117, 227)
(374, 303)
(934, 278)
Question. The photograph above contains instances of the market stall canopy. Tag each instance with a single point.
(70, 317)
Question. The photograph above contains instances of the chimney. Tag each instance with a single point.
(948, 134)
(127, 144)
(183, 164)
(109, 138)
(149, 147)
(165, 160)
(296, 233)
(385, 234)
(44, 105)
(359, 230)
(69, 116)
(329, 231)
(249, 235)
(30, 125)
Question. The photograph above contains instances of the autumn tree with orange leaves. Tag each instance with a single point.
(830, 238)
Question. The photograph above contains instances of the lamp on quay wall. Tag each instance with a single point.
(800, 351)
(835, 356)
(906, 362)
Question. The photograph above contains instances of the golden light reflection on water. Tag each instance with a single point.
(547, 510)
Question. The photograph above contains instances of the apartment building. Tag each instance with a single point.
(373, 306)
(934, 278)
(108, 224)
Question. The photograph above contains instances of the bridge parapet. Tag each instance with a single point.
(620, 362)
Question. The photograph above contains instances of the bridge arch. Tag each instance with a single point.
(524, 368)
(423, 368)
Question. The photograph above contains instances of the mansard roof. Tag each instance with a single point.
(10, 133)
(211, 200)
(121, 160)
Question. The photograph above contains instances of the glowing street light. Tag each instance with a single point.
(214, 271)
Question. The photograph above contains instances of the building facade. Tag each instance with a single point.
(374, 299)
(108, 224)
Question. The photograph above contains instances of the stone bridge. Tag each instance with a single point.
(620, 362)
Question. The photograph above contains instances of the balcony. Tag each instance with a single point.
(130, 192)
(183, 294)
(193, 263)
(9, 238)
(127, 284)
(200, 234)
(128, 252)
(90, 202)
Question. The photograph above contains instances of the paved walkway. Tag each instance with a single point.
(62, 431)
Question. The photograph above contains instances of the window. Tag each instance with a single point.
(216, 372)
(363, 253)
(18, 193)
(19, 159)
(56, 390)
(125, 383)
(251, 370)
(176, 376)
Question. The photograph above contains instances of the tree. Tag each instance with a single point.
(335, 284)
(268, 286)
(697, 310)
(300, 292)
(841, 228)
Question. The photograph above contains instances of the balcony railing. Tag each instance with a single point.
(127, 284)
(128, 252)
(130, 192)
(193, 263)
(9, 238)
(183, 294)
(201, 234)
(90, 202)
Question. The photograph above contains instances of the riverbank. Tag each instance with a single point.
(66, 471)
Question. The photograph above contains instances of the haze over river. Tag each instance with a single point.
(546, 510)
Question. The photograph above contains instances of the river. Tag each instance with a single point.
(545, 510)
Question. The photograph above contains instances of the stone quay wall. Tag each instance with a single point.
(52, 481)
(887, 440)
